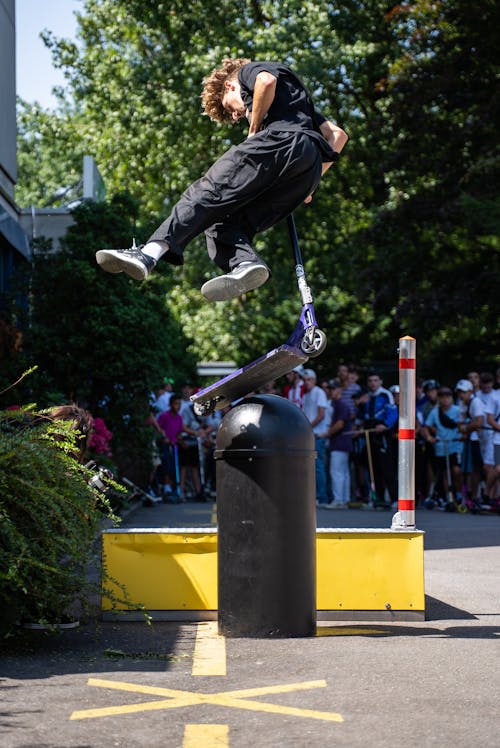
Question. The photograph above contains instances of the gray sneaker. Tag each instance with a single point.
(245, 277)
(131, 261)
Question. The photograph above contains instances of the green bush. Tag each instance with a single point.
(49, 518)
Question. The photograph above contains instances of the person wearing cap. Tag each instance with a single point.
(294, 389)
(471, 418)
(441, 430)
(314, 406)
(394, 390)
(340, 448)
(430, 387)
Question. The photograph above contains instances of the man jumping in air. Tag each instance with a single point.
(252, 186)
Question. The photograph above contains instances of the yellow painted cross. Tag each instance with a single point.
(174, 699)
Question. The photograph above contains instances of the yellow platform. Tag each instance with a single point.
(361, 574)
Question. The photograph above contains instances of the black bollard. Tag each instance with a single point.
(266, 510)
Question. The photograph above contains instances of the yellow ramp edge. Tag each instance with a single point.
(357, 569)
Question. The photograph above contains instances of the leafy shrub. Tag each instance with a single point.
(50, 515)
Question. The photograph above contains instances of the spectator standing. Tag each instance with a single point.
(158, 481)
(327, 423)
(294, 389)
(187, 390)
(164, 393)
(314, 406)
(471, 420)
(379, 417)
(493, 419)
(170, 422)
(425, 462)
(190, 447)
(441, 430)
(348, 378)
(340, 448)
(210, 423)
(486, 434)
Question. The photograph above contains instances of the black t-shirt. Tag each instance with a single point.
(292, 107)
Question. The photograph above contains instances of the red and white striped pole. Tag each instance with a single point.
(405, 516)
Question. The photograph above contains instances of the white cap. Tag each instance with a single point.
(309, 374)
(394, 389)
(300, 370)
(464, 385)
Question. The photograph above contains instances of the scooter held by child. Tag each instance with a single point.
(306, 341)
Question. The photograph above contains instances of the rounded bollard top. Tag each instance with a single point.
(264, 423)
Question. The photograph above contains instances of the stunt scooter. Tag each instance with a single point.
(306, 341)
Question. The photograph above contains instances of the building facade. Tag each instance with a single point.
(14, 243)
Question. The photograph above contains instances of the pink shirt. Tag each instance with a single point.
(171, 424)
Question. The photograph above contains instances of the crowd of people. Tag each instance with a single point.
(355, 427)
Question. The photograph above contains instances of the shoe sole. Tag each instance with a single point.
(112, 263)
(226, 287)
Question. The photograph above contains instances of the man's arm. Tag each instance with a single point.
(492, 423)
(319, 416)
(336, 427)
(262, 98)
(336, 138)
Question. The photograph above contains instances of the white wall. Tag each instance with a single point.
(8, 161)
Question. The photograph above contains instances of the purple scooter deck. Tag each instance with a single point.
(242, 382)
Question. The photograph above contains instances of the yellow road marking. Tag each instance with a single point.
(262, 706)
(208, 736)
(243, 693)
(346, 631)
(210, 650)
(235, 699)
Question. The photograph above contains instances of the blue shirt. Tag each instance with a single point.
(379, 409)
(448, 439)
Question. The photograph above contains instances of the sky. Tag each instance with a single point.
(35, 74)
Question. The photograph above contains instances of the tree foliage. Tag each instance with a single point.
(100, 340)
(401, 235)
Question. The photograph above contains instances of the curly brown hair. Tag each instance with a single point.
(213, 88)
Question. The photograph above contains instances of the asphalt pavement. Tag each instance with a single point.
(431, 683)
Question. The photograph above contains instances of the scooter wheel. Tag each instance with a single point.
(314, 347)
(462, 509)
(204, 409)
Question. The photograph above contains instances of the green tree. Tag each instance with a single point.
(155, 140)
(103, 341)
(411, 83)
(49, 157)
(441, 219)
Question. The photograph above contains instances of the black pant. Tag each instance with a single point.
(251, 187)
(384, 467)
